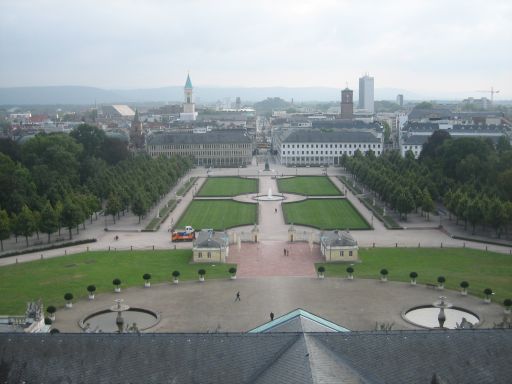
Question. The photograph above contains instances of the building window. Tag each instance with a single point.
(209, 255)
(350, 253)
(341, 253)
(200, 255)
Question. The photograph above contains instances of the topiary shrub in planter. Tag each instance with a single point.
(117, 283)
(175, 277)
(232, 271)
(488, 292)
(146, 277)
(350, 273)
(201, 274)
(68, 297)
(507, 303)
(413, 276)
(47, 321)
(51, 311)
(91, 289)
(440, 282)
(464, 288)
(384, 275)
(321, 272)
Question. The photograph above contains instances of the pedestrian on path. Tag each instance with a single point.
(271, 316)
(284, 251)
(237, 298)
(275, 210)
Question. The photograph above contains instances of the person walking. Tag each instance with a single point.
(271, 316)
(237, 298)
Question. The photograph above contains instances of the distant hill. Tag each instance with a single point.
(89, 95)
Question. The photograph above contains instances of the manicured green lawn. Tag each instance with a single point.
(324, 214)
(227, 186)
(50, 279)
(218, 214)
(308, 185)
(479, 268)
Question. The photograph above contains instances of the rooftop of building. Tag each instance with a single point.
(338, 239)
(469, 356)
(322, 136)
(213, 137)
(211, 239)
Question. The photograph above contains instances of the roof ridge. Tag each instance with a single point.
(271, 362)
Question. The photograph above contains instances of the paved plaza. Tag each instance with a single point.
(210, 306)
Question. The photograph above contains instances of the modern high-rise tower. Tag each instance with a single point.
(189, 109)
(366, 94)
(347, 104)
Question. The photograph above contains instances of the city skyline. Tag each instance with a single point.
(429, 48)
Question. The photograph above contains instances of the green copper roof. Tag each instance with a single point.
(188, 84)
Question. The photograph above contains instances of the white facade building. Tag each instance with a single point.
(316, 147)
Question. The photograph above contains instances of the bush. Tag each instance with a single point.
(507, 303)
(350, 270)
(175, 274)
(146, 276)
(51, 309)
(47, 321)
(68, 296)
(464, 284)
(487, 291)
(53, 331)
(413, 275)
(116, 282)
(321, 269)
(201, 272)
(91, 288)
(232, 270)
(384, 272)
(441, 279)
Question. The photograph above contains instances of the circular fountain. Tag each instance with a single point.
(441, 315)
(119, 318)
(269, 196)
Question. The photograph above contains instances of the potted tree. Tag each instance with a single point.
(384, 275)
(147, 277)
(175, 276)
(51, 311)
(440, 282)
(47, 321)
(413, 276)
(68, 297)
(232, 271)
(117, 283)
(488, 292)
(350, 273)
(321, 272)
(508, 306)
(464, 288)
(201, 273)
(91, 289)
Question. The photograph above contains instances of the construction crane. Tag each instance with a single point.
(492, 92)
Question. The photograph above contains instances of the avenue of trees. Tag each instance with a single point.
(472, 177)
(58, 181)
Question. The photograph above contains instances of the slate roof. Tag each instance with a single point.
(350, 124)
(318, 136)
(209, 239)
(416, 140)
(338, 239)
(213, 137)
(430, 113)
(458, 356)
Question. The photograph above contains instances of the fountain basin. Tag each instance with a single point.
(269, 198)
(105, 320)
(426, 316)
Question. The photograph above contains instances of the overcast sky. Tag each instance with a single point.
(423, 46)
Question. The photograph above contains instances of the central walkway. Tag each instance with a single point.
(267, 257)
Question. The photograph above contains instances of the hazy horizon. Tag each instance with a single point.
(429, 48)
